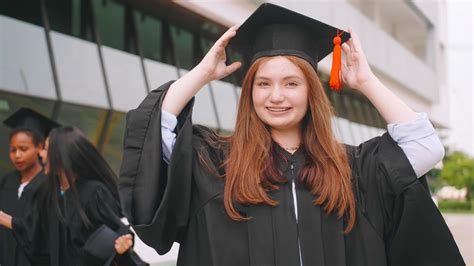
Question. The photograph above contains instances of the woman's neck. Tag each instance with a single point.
(28, 174)
(290, 140)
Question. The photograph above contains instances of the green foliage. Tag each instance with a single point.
(458, 171)
(435, 183)
(454, 205)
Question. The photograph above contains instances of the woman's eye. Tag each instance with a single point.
(263, 84)
(292, 84)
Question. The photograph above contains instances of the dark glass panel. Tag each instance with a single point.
(150, 35)
(25, 10)
(89, 119)
(113, 143)
(110, 18)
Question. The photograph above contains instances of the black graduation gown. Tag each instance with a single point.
(10, 253)
(397, 222)
(65, 240)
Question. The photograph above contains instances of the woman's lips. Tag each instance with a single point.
(278, 109)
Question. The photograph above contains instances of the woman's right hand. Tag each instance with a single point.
(123, 243)
(213, 65)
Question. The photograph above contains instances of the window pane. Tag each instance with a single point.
(25, 10)
(182, 41)
(113, 145)
(110, 23)
(89, 119)
(149, 33)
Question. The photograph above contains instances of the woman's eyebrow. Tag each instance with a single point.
(292, 77)
(284, 78)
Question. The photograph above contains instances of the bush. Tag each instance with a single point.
(454, 205)
(458, 171)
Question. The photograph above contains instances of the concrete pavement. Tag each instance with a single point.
(462, 228)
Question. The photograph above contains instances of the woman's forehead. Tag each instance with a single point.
(21, 137)
(278, 67)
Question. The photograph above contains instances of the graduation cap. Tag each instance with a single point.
(26, 118)
(273, 30)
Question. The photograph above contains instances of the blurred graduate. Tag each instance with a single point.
(76, 218)
(18, 188)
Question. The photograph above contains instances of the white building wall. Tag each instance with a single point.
(24, 61)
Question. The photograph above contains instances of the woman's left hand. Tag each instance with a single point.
(356, 71)
(5, 220)
(123, 243)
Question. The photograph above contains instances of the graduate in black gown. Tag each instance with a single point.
(18, 187)
(80, 197)
(280, 190)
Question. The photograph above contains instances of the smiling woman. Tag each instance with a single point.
(280, 92)
(280, 190)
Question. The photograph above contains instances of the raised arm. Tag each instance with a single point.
(357, 74)
(212, 67)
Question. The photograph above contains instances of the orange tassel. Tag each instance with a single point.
(335, 81)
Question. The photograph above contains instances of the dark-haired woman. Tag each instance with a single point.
(81, 196)
(18, 188)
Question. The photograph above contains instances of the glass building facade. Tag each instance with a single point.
(85, 63)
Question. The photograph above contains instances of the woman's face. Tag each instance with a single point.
(44, 156)
(280, 94)
(23, 152)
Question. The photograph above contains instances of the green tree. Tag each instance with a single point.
(458, 171)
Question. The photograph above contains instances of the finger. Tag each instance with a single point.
(346, 49)
(344, 72)
(118, 249)
(347, 53)
(355, 41)
(227, 36)
(232, 68)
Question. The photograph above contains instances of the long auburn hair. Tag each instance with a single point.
(250, 169)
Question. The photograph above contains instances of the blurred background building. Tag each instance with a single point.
(87, 62)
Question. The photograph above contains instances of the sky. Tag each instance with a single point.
(460, 58)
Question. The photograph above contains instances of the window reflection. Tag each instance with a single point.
(113, 142)
(150, 35)
(110, 23)
(89, 119)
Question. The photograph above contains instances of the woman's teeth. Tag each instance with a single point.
(278, 109)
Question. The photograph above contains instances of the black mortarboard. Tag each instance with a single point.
(26, 118)
(273, 30)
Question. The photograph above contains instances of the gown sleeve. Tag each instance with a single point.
(155, 195)
(102, 210)
(399, 205)
(30, 230)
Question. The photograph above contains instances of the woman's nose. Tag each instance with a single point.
(276, 94)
